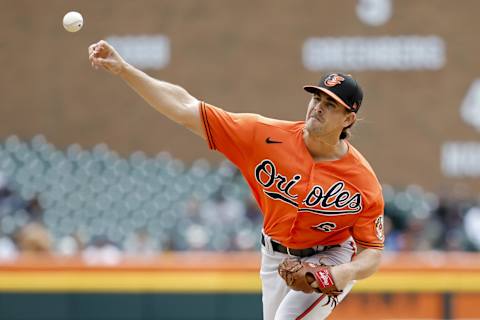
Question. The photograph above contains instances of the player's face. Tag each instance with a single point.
(325, 115)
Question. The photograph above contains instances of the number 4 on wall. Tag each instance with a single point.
(470, 109)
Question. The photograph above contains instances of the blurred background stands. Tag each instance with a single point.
(94, 201)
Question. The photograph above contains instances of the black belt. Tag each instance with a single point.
(302, 253)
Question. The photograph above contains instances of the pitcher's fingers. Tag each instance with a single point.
(105, 60)
(103, 44)
(91, 48)
(96, 62)
(93, 54)
(94, 65)
(92, 61)
(100, 60)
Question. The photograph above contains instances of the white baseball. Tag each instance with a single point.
(73, 21)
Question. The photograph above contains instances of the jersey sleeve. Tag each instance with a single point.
(368, 229)
(229, 133)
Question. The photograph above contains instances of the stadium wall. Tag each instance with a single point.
(226, 286)
(246, 56)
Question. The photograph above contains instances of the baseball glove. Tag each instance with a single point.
(299, 276)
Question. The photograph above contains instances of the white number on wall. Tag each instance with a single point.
(374, 12)
(470, 109)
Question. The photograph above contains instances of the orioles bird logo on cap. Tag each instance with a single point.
(333, 79)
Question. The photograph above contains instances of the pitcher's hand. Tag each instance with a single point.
(102, 54)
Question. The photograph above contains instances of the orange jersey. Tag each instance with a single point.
(304, 203)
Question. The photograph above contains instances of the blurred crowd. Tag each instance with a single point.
(220, 223)
(416, 220)
(101, 206)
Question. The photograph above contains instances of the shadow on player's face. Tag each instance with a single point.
(326, 115)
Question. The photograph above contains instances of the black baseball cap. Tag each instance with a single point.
(341, 87)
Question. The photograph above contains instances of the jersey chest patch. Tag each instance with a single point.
(333, 200)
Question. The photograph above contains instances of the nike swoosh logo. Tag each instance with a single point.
(269, 141)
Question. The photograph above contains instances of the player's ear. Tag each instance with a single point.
(350, 119)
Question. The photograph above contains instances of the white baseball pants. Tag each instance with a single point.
(282, 303)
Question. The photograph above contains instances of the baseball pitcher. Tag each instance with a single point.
(321, 201)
